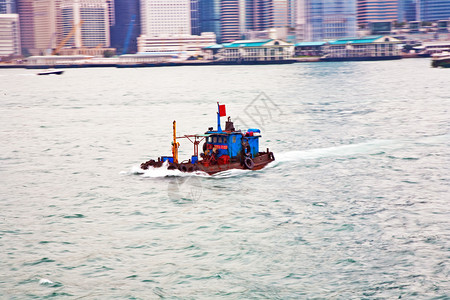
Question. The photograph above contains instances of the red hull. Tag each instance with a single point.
(258, 162)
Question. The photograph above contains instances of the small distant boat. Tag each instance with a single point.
(222, 150)
(50, 72)
(441, 60)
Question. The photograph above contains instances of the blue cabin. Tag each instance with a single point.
(234, 144)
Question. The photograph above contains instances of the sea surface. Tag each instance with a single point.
(356, 205)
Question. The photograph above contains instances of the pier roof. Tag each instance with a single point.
(248, 43)
(257, 43)
(364, 40)
(309, 44)
(251, 44)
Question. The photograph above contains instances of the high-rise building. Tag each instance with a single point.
(226, 18)
(89, 19)
(166, 27)
(424, 10)
(165, 17)
(195, 17)
(111, 12)
(8, 7)
(45, 25)
(26, 12)
(270, 18)
(407, 10)
(433, 10)
(230, 25)
(127, 26)
(281, 13)
(320, 20)
(38, 25)
(209, 12)
(9, 35)
(292, 13)
(368, 11)
(260, 14)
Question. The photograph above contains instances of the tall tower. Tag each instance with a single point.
(111, 12)
(90, 18)
(280, 13)
(407, 10)
(8, 7)
(38, 25)
(27, 37)
(45, 25)
(9, 35)
(195, 17)
(292, 13)
(159, 17)
(424, 10)
(230, 29)
(368, 11)
(319, 20)
(433, 10)
(209, 12)
(260, 14)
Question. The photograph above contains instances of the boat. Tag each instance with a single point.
(441, 60)
(222, 150)
(50, 72)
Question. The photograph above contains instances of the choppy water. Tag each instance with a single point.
(355, 206)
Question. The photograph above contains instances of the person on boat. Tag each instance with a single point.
(210, 155)
(214, 155)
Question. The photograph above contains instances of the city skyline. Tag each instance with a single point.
(46, 25)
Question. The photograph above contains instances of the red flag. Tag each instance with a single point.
(222, 111)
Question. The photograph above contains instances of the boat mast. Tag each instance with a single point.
(175, 144)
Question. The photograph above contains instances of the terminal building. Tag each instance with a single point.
(364, 48)
(309, 48)
(253, 51)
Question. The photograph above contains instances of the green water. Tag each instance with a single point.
(355, 206)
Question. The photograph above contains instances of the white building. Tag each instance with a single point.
(321, 20)
(45, 24)
(90, 18)
(192, 44)
(57, 60)
(166, 27)
(254, 51)
(374, 47)
(9, 35)
(165, 17)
